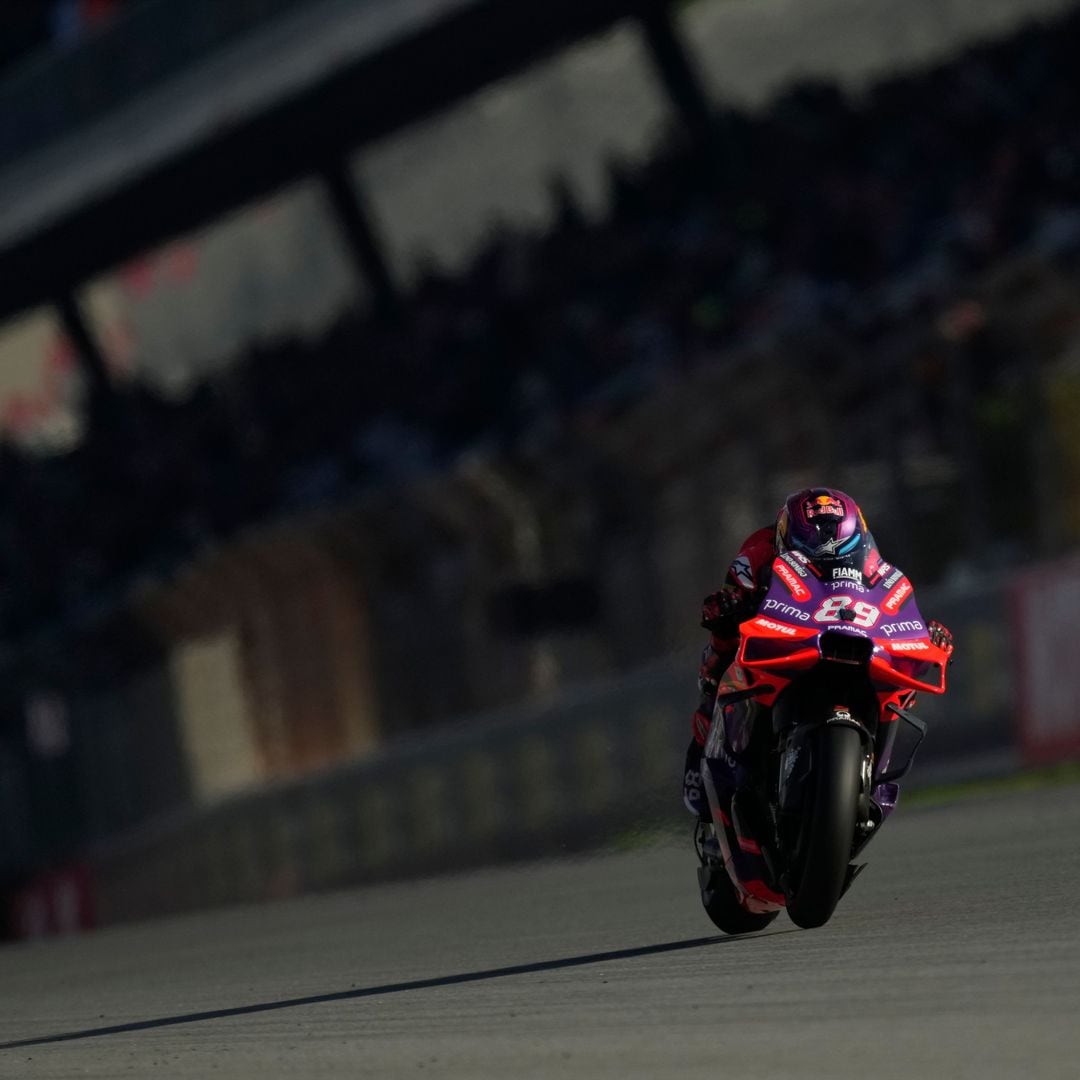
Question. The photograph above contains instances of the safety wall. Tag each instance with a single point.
(268, 654)
(595, 764)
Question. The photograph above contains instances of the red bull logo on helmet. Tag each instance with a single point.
(823, 506)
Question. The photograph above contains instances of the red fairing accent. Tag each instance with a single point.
(762, 891)
(788, 576)
(751, 847)
(900, 593)
(701, 727)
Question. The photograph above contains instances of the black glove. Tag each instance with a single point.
(940, 636)
(723, 610)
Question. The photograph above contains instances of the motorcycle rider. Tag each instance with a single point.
(825, 528)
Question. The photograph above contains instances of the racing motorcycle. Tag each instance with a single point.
(811, 732)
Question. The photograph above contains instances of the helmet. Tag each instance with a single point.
(827, 527)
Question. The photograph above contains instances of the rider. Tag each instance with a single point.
(821, 524)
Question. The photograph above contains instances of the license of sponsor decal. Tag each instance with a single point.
(822, 506)
(794, 564)
(780, 628)
(788, 611)
(909, 646)
(797, 589)
(900, 593)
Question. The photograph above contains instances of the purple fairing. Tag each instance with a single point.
(737, 722)
(880, 605)
(886, 796)
(846, 600)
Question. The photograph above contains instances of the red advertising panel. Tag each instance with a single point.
(1046, 631)
(59, 901)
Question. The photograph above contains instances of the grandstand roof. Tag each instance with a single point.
(252, 116)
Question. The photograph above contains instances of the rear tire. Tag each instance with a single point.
(828, 828)
(722, 905)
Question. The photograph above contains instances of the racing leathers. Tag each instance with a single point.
(721, 613)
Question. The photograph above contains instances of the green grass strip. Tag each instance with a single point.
(1033, 779)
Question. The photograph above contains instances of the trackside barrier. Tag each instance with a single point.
(539, 779)
(1046, 614)
(58, 901)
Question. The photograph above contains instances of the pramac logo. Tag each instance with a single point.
(895, 600)
(784, 572)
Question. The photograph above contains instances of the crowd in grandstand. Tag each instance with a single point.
(819, 210)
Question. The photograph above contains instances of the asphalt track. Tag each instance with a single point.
(956, 954)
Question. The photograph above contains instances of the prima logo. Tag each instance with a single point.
(787, 610)
(911, 626)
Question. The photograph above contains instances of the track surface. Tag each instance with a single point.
(956, 954)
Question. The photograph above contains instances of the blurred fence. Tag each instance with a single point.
(596, 764)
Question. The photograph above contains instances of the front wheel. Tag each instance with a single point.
(722, 905)
(828, 826)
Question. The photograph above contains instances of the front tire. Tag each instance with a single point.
(722, 905)
(828, 828)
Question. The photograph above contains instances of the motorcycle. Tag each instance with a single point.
(811, 733)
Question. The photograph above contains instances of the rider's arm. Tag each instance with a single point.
(738, 598)
(941, 637)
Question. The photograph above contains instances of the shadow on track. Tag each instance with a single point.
(375, 991)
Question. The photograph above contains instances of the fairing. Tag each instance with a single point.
(817, 626)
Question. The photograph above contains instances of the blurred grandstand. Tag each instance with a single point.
(306, 454)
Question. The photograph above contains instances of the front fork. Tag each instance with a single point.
(796, 763)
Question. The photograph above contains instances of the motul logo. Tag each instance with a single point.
(797, 589)
(780, 628)
(895, 600)
(908, 646)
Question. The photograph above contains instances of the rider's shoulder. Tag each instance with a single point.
(760, 542)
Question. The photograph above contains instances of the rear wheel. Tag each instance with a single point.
(828, 826)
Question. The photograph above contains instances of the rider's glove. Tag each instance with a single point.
(940, 636)
(723, 610)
